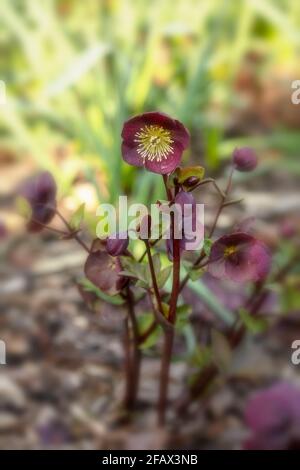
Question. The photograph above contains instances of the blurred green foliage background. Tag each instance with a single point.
(75, 70)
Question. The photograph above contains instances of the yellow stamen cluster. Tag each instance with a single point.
(154, 143)
(230, 250)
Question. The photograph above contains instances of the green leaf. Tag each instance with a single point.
(183, 174)
(77, 217)
(184, 309)
(163, 276)
(134, 269)
(141, 271)
(152, 338)
(156, 262)
(142, 284)
(144, 322)
(196, 273)
(253, 324)
(182, 316)
(180, 175)
(207, 244)
(165, 308)
(90, 287)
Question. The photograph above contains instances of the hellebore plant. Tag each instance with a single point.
(156, 142)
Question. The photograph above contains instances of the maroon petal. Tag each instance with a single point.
(237, 238)
(166, 166)
(261, 259)
(217, 250)
(216, 268)
(130, 154)
(133, 125)
(240, 270)
(179, 132)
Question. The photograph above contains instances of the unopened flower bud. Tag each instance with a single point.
(244, 159)
(40, 192)
(191, 181)
(187, 203)
(117, 244)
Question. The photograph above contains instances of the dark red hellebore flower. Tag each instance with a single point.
(155, 141)
(239, 257)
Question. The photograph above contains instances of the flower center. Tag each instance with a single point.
(230, 250)
(154, 143)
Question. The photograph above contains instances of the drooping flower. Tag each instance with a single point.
(191, 182)
(103, 271)
(273, 417)
(244, 159)
(40, 193)
(117, 244)
(239, 257)
(155, 141)
(188, 226)
(190, 223)
(187, 203)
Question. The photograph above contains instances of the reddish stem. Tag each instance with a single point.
(128, 396)
(75, 235)
(153, 277)
(132, 354)
(169, 333)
